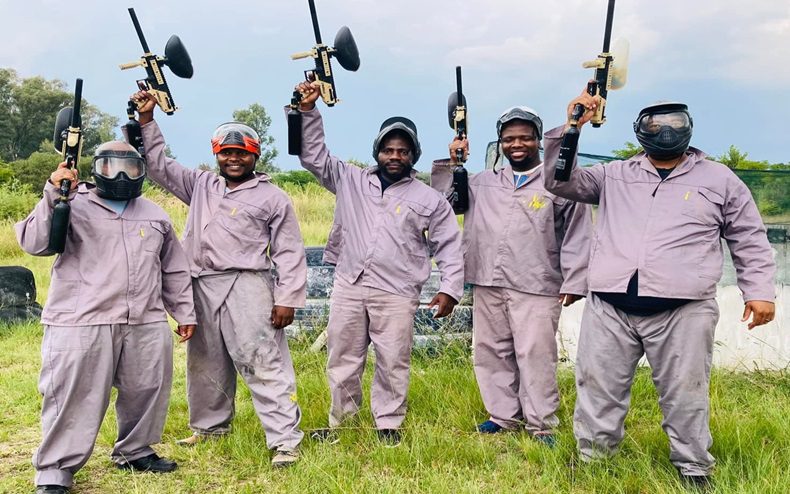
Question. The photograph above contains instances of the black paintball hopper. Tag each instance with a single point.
(452, 104)
(62, 122)
(345, 50)
(177, 58)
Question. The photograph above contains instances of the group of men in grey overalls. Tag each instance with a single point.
(648, 268)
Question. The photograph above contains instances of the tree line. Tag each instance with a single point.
(28, 107)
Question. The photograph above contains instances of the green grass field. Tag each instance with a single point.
(441, 452)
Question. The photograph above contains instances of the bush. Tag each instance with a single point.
(16, 200)
(299, 178)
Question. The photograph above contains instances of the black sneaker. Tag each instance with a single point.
(390, 437)
(697, 482)
(52, 489)
(151, 463)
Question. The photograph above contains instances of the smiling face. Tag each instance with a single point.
(520, 145)
(236, 165)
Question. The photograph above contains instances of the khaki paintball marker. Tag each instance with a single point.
(608, 75)
(345, 51)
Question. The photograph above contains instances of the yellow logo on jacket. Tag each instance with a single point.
(536, 203)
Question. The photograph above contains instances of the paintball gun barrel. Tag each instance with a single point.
(176, 57)
(68, 141)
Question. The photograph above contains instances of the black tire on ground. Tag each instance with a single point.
(17, 286)
(17, 294)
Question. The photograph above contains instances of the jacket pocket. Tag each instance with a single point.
(152, 236)
(704, 205)
(63, 296)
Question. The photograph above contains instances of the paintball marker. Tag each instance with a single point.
(456, 114)
(608, 75)
(68, 141)
(176, 57)
(345, 51)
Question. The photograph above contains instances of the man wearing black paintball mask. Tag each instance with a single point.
(656, 258)
(664, 131)
(119, 173)
(105, 320)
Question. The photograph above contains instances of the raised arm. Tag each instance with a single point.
(315, 156)
(167, 172)
(584, 184)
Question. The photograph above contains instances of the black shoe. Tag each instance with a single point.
(697, 482)
(150, 463)
(52, 489)
(390, 437)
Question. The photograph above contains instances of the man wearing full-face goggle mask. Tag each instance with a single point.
(654, 265)
(119, 173)
(121, 272)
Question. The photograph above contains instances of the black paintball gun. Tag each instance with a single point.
(608, 75)
(345, 51)
(456, 114)
(176, 57)
(68, 141)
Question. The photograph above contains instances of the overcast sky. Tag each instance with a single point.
(728, 60)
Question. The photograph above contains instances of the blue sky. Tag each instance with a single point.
(729, 63)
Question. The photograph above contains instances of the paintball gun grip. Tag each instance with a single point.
(459, 155)
(163, 100)
(328, 93)
(598, 118)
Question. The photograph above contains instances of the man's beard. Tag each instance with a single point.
(392, 178)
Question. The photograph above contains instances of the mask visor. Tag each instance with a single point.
(110, 166)
(650, 124)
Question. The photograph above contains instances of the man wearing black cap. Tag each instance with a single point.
(383, 261)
